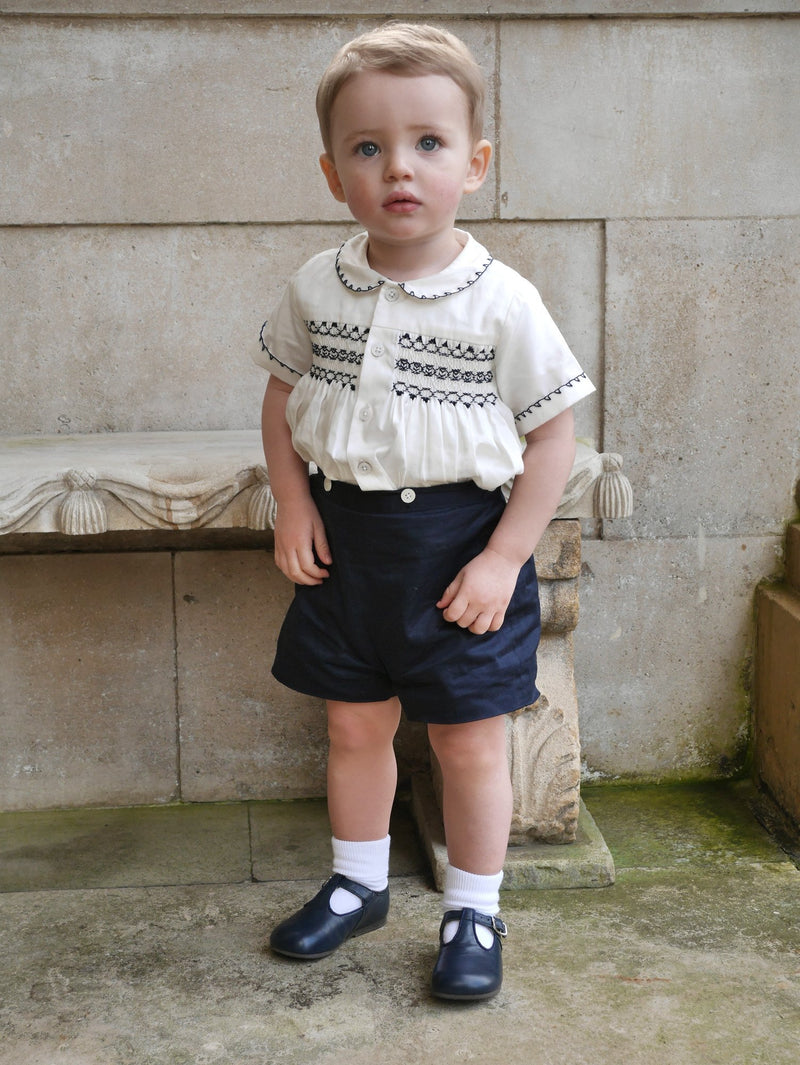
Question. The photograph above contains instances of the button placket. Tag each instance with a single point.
(373, 393)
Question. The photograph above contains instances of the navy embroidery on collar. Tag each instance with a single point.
(349, 284)
(476, 276)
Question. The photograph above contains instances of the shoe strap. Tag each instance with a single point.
(339, 880)
(487, 920)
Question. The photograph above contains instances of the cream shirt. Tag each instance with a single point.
(415, 383)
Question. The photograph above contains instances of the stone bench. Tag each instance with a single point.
(91, 484)
(110, 491)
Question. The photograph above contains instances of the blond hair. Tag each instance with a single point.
(406, 49)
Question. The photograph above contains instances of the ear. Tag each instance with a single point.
(332, 177)
(478, 166)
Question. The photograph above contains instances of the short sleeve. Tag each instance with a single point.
(537, 375)
(285, 348)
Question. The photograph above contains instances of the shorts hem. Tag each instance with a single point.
(415, 716)
(318, 693)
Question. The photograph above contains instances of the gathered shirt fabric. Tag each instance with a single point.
(417, 383)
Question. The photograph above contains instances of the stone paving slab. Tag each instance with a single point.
(691, 958)
(682, 827)
(292, 841)
(208, 843)
(128, 847)
(657, 970)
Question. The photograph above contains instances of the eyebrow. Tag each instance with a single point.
(419, 127)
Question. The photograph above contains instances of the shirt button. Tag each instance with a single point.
(327, 484)
(364, 467)
(408, 495)
(378, 350)
(365, 414)
(391, 294)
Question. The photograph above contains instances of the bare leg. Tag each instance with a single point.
(362, 770)
(477, 800)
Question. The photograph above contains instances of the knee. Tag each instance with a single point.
(346, 732)
(461, 747)
(354, 729)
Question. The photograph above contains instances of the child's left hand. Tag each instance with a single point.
(479, 596)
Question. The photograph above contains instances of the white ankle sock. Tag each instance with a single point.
(365, 862)
(463, 890)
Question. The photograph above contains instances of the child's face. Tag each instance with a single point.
(402, 156)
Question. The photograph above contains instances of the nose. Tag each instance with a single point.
(399, 165)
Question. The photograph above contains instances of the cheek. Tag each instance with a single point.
(358, 189)
(447, 189)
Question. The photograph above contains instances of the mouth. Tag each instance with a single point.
(400, 202)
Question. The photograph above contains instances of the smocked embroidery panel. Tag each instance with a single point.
(426, 368)
(338, 352)
(445, 371)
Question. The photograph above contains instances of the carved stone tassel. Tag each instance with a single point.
(613, 495)
(262, 507)
(82, 512)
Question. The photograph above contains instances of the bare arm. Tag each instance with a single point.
(478, 597)
(299, 531)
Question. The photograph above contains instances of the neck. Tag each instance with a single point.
(399, 263)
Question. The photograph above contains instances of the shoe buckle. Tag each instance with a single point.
(499, 927)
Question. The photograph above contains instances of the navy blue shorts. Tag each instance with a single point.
(372, 630)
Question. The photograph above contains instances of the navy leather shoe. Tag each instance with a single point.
(316, 931)
(466, 970)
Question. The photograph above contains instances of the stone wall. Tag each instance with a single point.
(158, 182)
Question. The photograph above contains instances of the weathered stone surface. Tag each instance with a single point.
(163, 120)
(648, 971)
(663, 654)
(665, 118)
(398, 8)
(559, 605)
(242, 734)
(140, 329)
(544, 751)
(702, 391)
(134, 481)
(777, 703)
(558, 555)
(70, 850)
(88, 681)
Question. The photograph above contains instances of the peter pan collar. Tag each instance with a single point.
(469, 265)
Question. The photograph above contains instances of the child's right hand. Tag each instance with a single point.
(299, 541)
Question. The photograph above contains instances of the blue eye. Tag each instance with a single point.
(429, 144)
(368, 149)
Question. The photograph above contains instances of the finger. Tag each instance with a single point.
(486, 622)
(458, 611)
(448, 596)
(300, 570)
(463, 613)
(480, 625)
(308, 570)
(322, 547)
